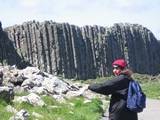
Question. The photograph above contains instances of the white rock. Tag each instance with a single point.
(32, 98)
(11, 109)
(21, 115)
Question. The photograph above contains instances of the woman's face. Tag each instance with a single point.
(116, 70)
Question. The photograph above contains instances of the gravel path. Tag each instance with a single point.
(151, 112)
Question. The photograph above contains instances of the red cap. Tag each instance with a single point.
(120, 62)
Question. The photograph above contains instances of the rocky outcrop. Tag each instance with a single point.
(35, 81)
(137, 44)
(85, 52)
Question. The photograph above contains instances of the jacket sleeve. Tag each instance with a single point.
(110, 86)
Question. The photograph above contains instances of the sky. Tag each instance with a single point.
(83, 12)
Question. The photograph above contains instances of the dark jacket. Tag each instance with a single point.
(118, 88)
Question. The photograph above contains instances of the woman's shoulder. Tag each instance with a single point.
(124, 77)
(119, 78)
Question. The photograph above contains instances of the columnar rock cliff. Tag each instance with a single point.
(85, 52)
(8, 54)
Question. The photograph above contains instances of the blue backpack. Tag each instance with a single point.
(136, 99)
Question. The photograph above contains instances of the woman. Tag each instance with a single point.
(118, 88)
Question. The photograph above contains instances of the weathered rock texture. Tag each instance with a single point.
(84, 52)
(6, 93)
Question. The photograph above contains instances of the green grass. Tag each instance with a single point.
(97, 80)
(152, 89)
(73, 109)
(3, 112)
(86, 111)
(150, 85)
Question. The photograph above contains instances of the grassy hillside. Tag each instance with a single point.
(74, 109)
(77, 108)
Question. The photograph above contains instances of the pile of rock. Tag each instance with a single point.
(36, 83)
(32, 80)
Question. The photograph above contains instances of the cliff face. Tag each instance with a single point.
(139, 46)
(8, 54)
(85, 52)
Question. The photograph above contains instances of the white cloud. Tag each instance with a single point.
(29, 3)
(83, 12)
(125, 3)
